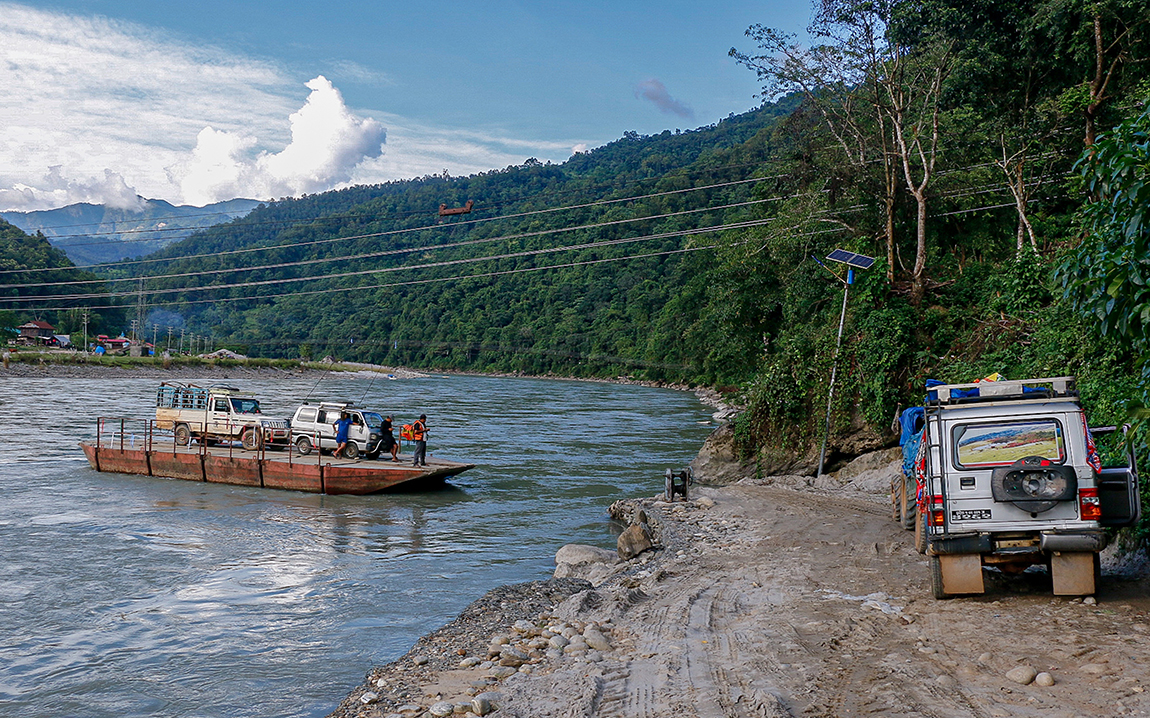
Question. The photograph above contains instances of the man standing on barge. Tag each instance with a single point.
(419, 435)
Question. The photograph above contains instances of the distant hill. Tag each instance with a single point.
(93, 233)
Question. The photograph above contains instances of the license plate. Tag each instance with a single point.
(970, 515)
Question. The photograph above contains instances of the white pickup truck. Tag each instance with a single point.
(215, 414)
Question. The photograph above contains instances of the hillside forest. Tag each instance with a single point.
(991, 155)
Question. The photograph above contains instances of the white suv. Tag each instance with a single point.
(1008, 476)
(311, 427)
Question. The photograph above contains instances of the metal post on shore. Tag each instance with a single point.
(852, 261)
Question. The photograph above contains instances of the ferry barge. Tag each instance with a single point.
(139, 446)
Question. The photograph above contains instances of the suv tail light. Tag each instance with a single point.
(1090, 508)
(937, 515)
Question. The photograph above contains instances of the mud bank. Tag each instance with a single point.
(783, 596)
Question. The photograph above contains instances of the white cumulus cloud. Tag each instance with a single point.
(98, 110)
(327, 143)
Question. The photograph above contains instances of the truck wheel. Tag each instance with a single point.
(303, 445)
(919, 532)
(351, 451)
(906, 510)
(894, 510)
(936, 579)
(248, 440)
(183, 435)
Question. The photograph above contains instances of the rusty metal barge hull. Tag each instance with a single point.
(268, 470)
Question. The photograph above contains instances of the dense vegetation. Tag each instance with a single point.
(969, 146)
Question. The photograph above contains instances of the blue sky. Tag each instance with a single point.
(196, 102)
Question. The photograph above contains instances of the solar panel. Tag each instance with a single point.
(855, 260)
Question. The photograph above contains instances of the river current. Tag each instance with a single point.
(137, 596)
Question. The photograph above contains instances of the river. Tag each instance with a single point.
(137, 596)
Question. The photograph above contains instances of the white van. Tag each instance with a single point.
(311, 427)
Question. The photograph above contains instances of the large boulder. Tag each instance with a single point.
(872, 472)
(717, 463)
(634, 540)
(587, 562)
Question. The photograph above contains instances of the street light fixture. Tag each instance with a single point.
(853, 261)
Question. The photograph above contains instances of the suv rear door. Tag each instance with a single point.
(1118, 486)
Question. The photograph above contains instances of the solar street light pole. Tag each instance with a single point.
(852, 260)
(834, 370)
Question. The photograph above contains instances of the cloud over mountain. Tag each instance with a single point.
(99, 110)
(327, 143)
(655, 92)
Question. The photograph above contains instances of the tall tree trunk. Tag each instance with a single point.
(918, 277)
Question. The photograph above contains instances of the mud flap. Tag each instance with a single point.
(1073, 573)
(961, 574)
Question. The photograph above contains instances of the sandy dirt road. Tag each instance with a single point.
(756, 607)
(775, 602)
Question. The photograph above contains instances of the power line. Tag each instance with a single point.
(406, 250)
(352, 216)
(434, 280)
(486, 240)
(397, 231)
(426, 265)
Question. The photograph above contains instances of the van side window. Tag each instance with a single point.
(307, 415)
(221, 405)
(322, 419)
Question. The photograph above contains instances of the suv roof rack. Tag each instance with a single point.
(1003, 390)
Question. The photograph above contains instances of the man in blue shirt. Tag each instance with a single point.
(341, 425)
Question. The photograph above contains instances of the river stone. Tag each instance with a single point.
(480, 706)
(503, 671)
(442, 709)
(1044, 679)
(369, 698)
(461, 708)
(1022, 674)
(421, 660)
(596, 640)
(633, 541)
(706, 502)
(559, 642)
(522, 626)
(470, 662)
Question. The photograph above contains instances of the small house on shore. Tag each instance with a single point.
(36, 333)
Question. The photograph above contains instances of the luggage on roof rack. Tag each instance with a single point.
(1004, 390)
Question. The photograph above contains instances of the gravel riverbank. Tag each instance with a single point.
(773, 597)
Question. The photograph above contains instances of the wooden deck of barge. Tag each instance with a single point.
(150, 455)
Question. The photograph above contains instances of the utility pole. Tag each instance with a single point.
(135, 323)
(168, 348)
(85, 315)
(155, 328)
(182, 340)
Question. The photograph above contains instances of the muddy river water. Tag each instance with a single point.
(136, 596)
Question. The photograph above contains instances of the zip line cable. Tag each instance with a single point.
(407, 250)
(410, 250)
(392, 269)
(342, 215)
(405, 230)
(420, 212)
(426, 265)
(434, 280)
